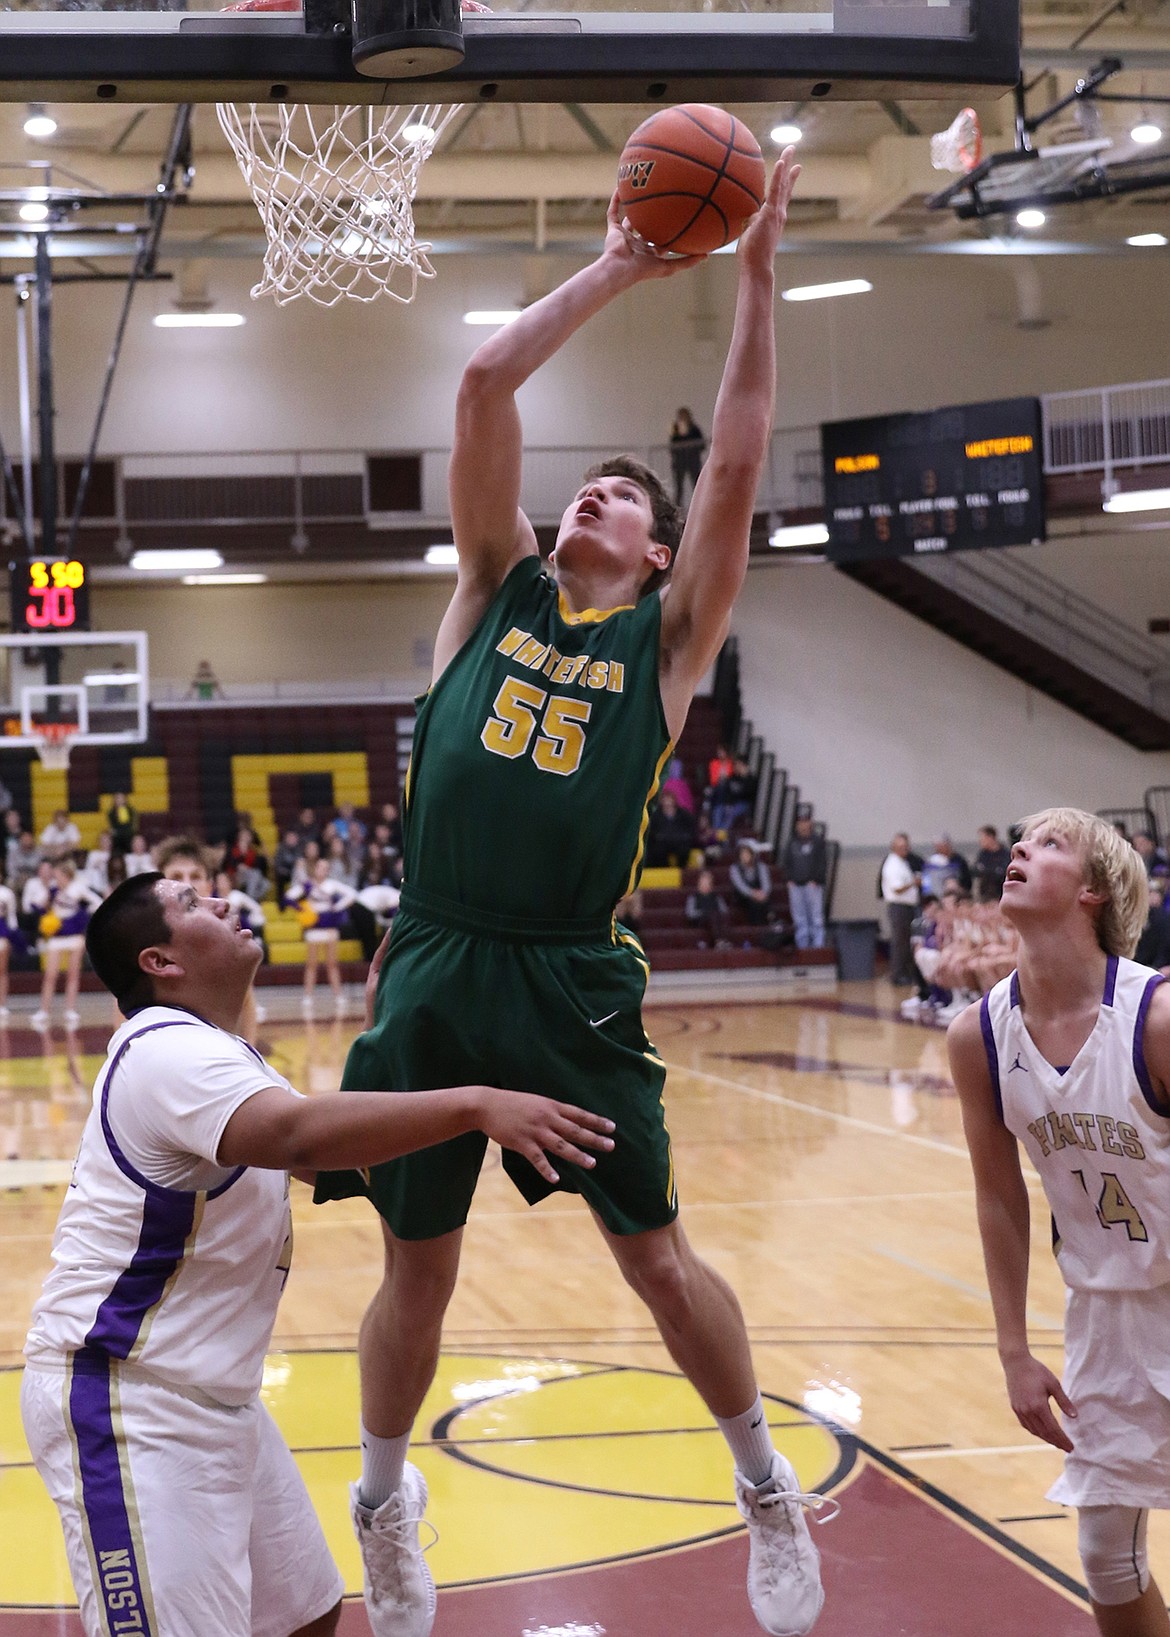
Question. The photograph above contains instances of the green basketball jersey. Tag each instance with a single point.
(536, 755)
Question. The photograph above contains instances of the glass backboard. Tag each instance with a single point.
(654, 51)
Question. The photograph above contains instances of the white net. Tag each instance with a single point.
(335, 190)
(53, 747)
(960, 147)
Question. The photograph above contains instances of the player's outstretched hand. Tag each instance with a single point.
(1031, 1385)
(537, 1127)
(758, 241)
(634, 255)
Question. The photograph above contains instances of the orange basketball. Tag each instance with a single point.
(689, 178)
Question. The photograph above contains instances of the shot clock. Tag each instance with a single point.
(948, 480)
(49, 596)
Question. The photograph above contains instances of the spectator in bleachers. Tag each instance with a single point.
(340, 860)
(138, 859)
(62, 927)
(707, 909)
(751, 882)
(374, 870)
(670, 834)
(245, 854)
(944, 865)
(205, 683)
(733, 798)
(322, 905)
(10, 833)
(989, 866)
(687, 447)
(676, 784)
(1154, 944)
(284, 858)
(22, 856)
(5, 797)
(707, 839)
(350, 828)
(122, 821)
(389, 816)
(899, 888)
(719, 767)
(60, 838)
(97, 864)
(308, 826)
(303, 868)
(115, 872)
(806, 867)
(1150, 854)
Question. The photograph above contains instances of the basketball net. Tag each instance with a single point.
(960, 147)
(335, 190)
(54, 742)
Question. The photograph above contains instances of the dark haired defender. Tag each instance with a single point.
(184, 1513)
(555, 701)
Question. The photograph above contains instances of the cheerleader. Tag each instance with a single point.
(322, 904)
(62, 928)
(10, 937)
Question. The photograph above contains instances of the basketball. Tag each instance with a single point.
(689, 178)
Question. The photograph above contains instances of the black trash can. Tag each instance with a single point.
(856, 943)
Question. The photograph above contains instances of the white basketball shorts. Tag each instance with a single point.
(182, 1517)
(1117, 1373)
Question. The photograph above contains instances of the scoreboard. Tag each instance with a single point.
(948, 480)
(48, 596)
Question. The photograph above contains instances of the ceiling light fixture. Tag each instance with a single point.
(174, 560)
(498, 316)
(785, 134)
(818, 292)
(1146, 133)
(447, 555)
(418, 131)
(34, 213)
(225, 579)
(1137, 500)
(1030, 217)
(1142, 240)
(796, 535)
(39, 123)
(198, 321)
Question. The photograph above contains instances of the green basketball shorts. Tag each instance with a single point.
(470, 999)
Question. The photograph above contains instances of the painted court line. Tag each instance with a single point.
(853, 1120)
(1037, 1447)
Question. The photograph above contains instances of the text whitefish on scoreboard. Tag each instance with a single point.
(950, 480)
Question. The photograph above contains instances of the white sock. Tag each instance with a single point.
(382, 1462)
(750, 1442)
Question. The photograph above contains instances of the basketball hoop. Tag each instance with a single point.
(335, 189)
(54, 742)
(960, 147)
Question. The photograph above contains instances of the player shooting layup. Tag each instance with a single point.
(554, 706)
(1070, 1057)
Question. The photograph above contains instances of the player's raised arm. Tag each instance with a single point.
(1003, 1209)
(491, 531)
(713, 554)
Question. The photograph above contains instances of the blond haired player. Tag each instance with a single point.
(1069, 1056)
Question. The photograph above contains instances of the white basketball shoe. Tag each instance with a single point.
(784, 1567)
(399, 1589)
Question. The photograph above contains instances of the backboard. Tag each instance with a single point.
(653, 51)
(90, 685)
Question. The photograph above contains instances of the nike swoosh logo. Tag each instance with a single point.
(756, 1423)
(596, 1022)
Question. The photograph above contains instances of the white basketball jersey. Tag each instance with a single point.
(183, 1281)
(1094, 1133)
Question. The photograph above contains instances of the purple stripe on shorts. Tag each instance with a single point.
(167, 1220)
(1014, 989)
(992, 1053)
(1139, 1056)
(1110, 980)
(120, 1575)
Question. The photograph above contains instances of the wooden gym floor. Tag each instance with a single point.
(576, 1485)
